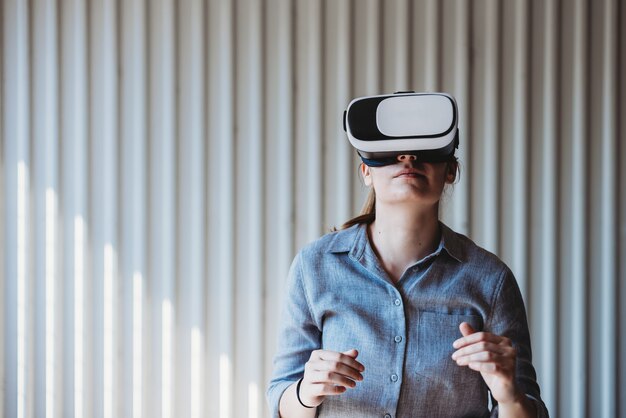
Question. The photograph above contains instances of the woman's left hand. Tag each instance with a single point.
(491, 355)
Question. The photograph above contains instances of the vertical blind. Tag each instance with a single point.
(162, 161)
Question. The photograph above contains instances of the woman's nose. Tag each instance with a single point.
(406, 157)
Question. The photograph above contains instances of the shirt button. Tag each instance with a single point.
(397, 302)
(394, 378)
(387, 416)
(398, 338)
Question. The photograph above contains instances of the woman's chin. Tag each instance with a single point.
(411, 198)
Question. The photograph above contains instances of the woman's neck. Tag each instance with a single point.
(401, 237)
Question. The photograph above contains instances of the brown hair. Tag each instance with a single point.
(367, 214)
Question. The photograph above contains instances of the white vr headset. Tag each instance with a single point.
(421, 124)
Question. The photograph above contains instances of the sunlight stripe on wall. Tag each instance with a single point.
(79, 277)
(50, 279)
(137, 345)
(22, 219)
(109, 343)
(166, 359)
(225, 374)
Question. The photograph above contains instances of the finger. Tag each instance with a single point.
(340, 357)
(490, 368)
(335, 364)
(466, 329)
(477, 348)
(477, 337)
(483, 356)
(351, 353)
(328, 377)
(338, 367)
(332, 366)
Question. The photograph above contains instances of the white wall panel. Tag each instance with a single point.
(337, 155)
(189, 334)
(309, 122)
(162, 248)
(45, 140)
(577, 176)
(484, 174)
(222, 176)
(162, 161)
(17, 279)
(133, 205)
(279, 187)
(249, 209)
(606, 398)
(544, 178)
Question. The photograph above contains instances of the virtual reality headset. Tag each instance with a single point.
(404, 123)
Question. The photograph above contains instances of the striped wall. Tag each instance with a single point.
(161, 161)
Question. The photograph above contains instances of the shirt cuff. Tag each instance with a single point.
(542, 411)
(274, 393)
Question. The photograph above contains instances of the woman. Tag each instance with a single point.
(396, 315)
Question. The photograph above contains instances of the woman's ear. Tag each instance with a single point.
(451, 169)
(366, 174)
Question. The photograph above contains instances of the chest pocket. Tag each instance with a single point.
(436, 333)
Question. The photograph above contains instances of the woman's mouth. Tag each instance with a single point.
(409, 174)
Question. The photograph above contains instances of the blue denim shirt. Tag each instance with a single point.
(339, 298)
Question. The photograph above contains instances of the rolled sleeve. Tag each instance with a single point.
(509, 320)
(274, 393)
(299, 335)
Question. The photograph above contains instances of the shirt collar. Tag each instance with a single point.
(354, 241)
(345, 240)
(451, 242)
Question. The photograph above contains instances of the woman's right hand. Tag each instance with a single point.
(329, 373)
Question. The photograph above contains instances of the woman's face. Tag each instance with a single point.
(409, 180)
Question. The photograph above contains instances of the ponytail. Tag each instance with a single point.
(367, 214)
